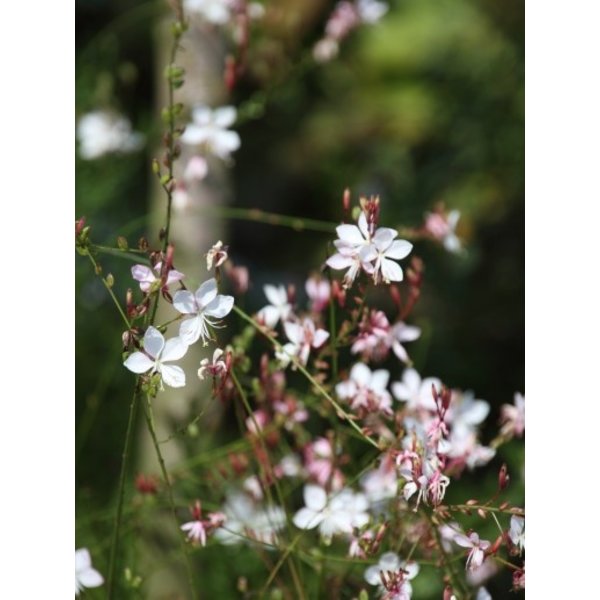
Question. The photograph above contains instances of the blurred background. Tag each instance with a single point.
(425, 107)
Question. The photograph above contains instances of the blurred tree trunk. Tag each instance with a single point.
(192, 233)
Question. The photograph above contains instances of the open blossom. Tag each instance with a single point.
(517, 532)
(303, 336)
(393, 576)
(339, 513)
(156, 353)
(442, 227)
(477, 549)
(278, 308)
(416, 392)
(425, 477)
(101, 132)
(401, 332)
(199, 528)
(246, 518)
(372, 249)
(215, 368)
(85, 575)
(147, 276)
(217, 255)
(206, 306)
(319, 292)
(209, 128)
(365, 390)
(513, 417)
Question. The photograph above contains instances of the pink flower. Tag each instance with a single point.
(365, 390)
(513, 417)
(442, 227)
(319, 292)
(303, 336)
(196, 169)
(477, 549)
(215, 368)
(198, 528)
(146, 276)
(279, 307)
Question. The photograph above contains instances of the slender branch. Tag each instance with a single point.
(151, 428)
(121, 490)
(340, 411)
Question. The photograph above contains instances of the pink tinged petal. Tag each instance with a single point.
(463, 540)
(306, 518)
(142, 273)
(185, 302)
(83, 560)
(206, 293)
(350, 234)
(400, 351)
(172, 375)
(90, 578)
(320, 337)
(368, 253)
(138, 362)
(294, 332)
(389, 562)
(174, 276)
(220, 307)
(175, 348)
(190, 330)
(372, 575)
(315, 497)
(269, 315)
(339, 261)
(304, 353)
(399, 249)
(225, 116)
(275, 295)
(477, 557)
(154, 342)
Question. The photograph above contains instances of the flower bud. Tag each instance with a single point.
(503, 477)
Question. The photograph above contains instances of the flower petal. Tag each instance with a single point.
(306, 518)
(225, 116)
(206, 293)
(175, 348)
(399, 249)
(320, 337)
(185, 302)
(138, 362)
(339, 261)
(220, 307)
(391, 271)
(83, 560)
(350, 234)
(275, 295)
(315, 497)
(90, 578)
(190, 330)
(172, 375)
(154, 342)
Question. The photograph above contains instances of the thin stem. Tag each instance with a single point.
(121, 490)
(340, 411)
(151, 428)
(109, 289)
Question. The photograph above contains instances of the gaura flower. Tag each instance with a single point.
(397, 575)
(209, 128)
(278, 308)
(215, 368)
(217, 12)
(156, 353)
(85, 575)
(206, 307)
(517, 532)
(365, 390)
(217, 255)
(477, 546)
(303, 336)
(101, 132)
(417, 393)
(146, 276)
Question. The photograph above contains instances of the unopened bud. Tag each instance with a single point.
(122, 243)
(79, 225)
(496, 545)
(143, 244)
(291, 293)
(155, 166)
(472, 502)
(447, 593)
(503, 477)
(110, 280)
(230, 74)
(346, 201)
(482, 513)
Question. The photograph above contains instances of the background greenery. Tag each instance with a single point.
(425, 107)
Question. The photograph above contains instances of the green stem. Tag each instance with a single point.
(340, 411)
(121, 490)
(151, 428)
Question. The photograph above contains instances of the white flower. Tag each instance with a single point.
(246, 518)
(156, 353)
(401, 332)
(371, 11)
(303, 336)
(390, 563)
(102, 132)
(206, 305)
(381, 483)
(217, 12)
(478, 547)
(517, 532)
(319, 292)
(337, 514)
(483, 594)
(210, 128)
(378, 258)
(415, 392)
(366, 389)
(85, 575)
(146, 276)
(279, 307)
(513, 417)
